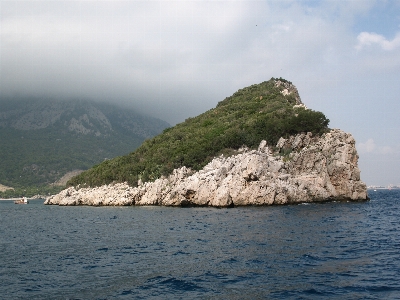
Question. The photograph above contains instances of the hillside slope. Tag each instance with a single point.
(265, 111)
(43, 139)
(318, 168)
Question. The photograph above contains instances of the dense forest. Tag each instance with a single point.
(264, 111)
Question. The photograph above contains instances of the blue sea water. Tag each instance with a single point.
(316, 251)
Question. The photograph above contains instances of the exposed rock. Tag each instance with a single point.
(4, 188)
(312, 169)
(82, 117)
(289, 88)
(63, 180)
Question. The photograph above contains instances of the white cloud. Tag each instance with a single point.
(190, 54)
(386, 150)
(370, 147)
(367, 147)
(366, 39)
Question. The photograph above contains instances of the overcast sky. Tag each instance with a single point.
(177, 59)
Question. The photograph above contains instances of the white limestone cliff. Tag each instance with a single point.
(312, 169)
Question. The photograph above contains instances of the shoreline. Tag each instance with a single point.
(19, 198)
(389, 189)
(13, 199)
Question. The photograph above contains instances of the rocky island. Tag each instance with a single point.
(308, 166)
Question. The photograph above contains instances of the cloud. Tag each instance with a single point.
(386, 150)
(146, 52)
(174, 59)
(367, 147)
(370, 147)
(367, 39)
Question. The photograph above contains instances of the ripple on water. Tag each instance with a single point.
(333, 250)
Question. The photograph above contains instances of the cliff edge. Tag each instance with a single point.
(302, 168)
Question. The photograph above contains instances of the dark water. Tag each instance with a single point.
(316, 251)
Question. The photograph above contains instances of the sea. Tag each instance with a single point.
(336, 250)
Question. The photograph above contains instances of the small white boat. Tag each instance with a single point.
(21, 201)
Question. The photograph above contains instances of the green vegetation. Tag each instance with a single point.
(32, 158)
(38, 157)
(30, 191)
(250, 115)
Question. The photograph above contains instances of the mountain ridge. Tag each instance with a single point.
(46, 138)
(79, 116)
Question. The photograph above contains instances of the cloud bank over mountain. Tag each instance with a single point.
(175, 59)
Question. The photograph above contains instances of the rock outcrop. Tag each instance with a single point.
(63, 180)
(302, 168)
(4, 188)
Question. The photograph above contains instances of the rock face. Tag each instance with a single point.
(289, 88)
(4, 188)
(63, 180)
(303, 169)
(80, 117)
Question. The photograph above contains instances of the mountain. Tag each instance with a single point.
(44, 139)
(266, 111)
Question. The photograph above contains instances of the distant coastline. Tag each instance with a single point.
(383, 188)
(19, 198)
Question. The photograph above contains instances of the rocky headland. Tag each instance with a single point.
(303, 168)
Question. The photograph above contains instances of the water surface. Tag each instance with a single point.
(315, 251)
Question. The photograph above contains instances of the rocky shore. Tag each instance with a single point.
(302, 168)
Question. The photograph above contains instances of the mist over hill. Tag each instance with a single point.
(43, 139)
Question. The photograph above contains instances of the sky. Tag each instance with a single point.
(177, 59)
